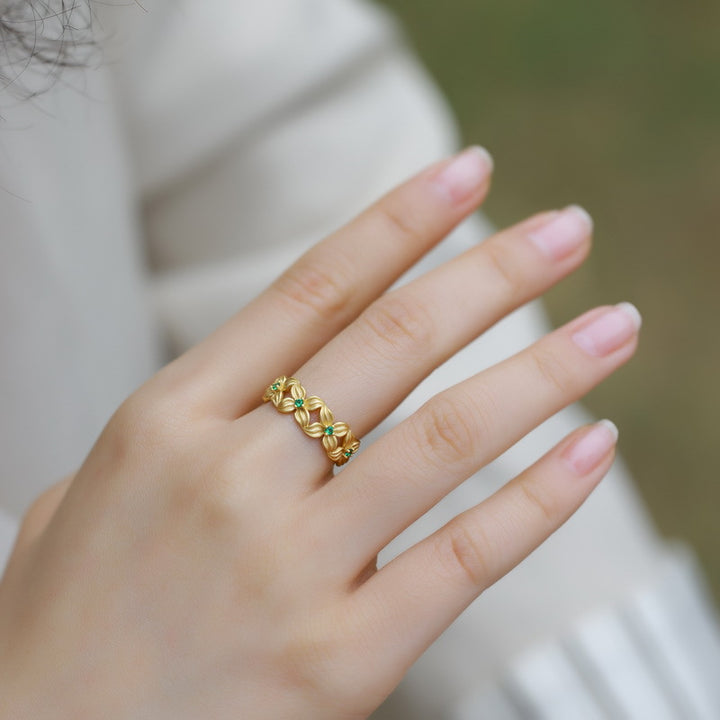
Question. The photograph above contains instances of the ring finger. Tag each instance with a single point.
(365, 371)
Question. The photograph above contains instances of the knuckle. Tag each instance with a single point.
(211, 503)
(502, 263)
(464, 552)
(401, 328)
(42, 508)
(208, 487)
(148, 422)
(39, 503)
(315, 287)
(395, 220)
(541, 504)
(125, 420)
(447, 431)
(552, 370)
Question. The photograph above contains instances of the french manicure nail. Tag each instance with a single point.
(563, 233)
(586, 453)
(464, 175)
(610, 331)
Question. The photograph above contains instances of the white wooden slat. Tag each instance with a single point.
(688, 607)
(610, 660)
(545, 682)
(650, 621)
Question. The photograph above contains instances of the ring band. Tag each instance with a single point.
(337, 439)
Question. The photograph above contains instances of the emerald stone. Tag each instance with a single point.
(329, 430)
(275, 386)
(348, 453)
(299, 402)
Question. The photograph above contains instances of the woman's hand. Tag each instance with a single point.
(204, 562)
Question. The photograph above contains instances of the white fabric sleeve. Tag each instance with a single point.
(257, 129)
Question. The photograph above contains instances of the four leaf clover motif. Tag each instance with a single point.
(326, 427)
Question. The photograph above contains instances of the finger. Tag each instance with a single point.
(364, 372)
(331, 284)
(409, 469)
(408, 603)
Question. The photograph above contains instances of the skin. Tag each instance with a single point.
(203, 561)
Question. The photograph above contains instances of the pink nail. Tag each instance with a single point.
(610, 331)
(465, 174)
(586, 453)
(563, 233)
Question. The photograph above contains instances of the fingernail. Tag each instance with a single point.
(610, 331)
(464, 175)
(563, 233)
(586, 453)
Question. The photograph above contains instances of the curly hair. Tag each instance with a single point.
(46, 35)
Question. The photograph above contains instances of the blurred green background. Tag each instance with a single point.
(615, 106)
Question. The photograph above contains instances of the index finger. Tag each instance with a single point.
(330, 285)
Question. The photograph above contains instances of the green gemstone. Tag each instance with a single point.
(329, 430)
(348, 453)
(275, 386)
(299, 402)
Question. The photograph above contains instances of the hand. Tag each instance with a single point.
(204, 562)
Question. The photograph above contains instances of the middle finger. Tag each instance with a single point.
(367, 370)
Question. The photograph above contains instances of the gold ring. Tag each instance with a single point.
(337, 439)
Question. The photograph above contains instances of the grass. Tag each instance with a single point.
(615, 106)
